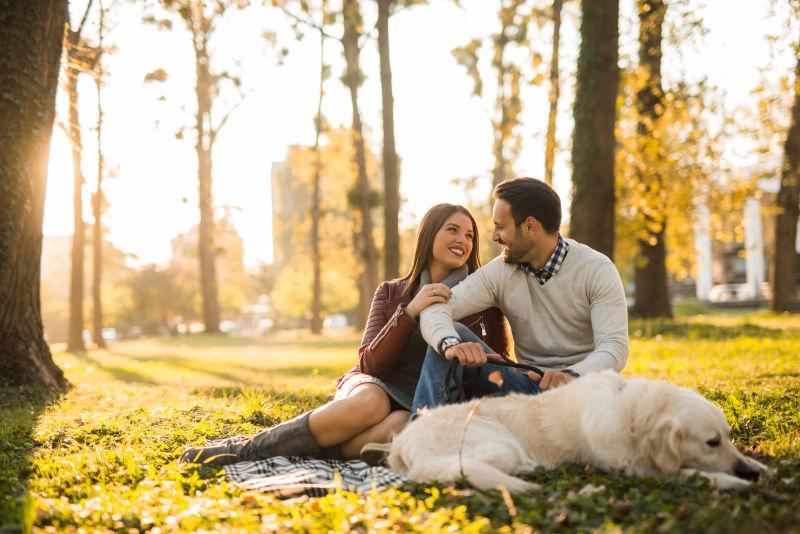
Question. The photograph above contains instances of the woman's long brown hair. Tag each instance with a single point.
(431, 223)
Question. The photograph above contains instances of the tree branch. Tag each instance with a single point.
(307, 22)
(85, 17)
(215, 130)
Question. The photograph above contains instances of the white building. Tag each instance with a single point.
(755, 258)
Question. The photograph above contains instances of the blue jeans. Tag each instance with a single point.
(431, 386)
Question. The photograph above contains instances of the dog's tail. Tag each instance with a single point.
(478, 474)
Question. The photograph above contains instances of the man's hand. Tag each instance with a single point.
(469, 353)
(551, 379)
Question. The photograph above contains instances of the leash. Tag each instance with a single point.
(452, 376)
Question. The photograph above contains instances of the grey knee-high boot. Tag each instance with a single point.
(290, 438)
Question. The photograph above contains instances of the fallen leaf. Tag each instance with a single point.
(589, 489)
(496, 378)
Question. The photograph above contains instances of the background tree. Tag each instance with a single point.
(363, 197)
(316, 212)
(650, 267)
(550, 137)
(784, 268)
(510, 49)
(80, 58)
(32, 35)
(391, 168)
(98, 199)
(593, 143)
(200, 18)
(340, 275)
(689, 147)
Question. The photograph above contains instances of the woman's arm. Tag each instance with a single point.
(383, 341)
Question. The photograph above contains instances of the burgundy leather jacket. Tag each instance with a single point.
(389, 327)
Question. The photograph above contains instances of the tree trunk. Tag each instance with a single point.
(650, 278)
(75, 333)
(550, 143)
(593, 143)
(650, 269)
(97, 278)
(32, 35)
(501, 129)
(391, 178)
(353, 78)
(784, 278)
(316, 212)
(203, 147)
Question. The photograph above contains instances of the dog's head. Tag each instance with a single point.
(689, 431)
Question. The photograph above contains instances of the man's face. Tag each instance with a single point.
(507, 233)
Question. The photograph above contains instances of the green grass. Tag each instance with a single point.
(103, 455)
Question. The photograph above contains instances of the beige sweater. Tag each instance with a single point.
(578, 319)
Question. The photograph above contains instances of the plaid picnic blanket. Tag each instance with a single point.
(293, 476)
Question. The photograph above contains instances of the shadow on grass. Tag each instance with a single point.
(120, 373)
(247, 374)
(215, 340)
(20, 408)
(701, 331)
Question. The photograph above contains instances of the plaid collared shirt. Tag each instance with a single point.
(552, 266)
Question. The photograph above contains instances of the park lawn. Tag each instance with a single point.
(103, 455)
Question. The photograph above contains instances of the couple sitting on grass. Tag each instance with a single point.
(563, 300)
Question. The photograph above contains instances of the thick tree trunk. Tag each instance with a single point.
(32, 35)
(203, 147)
(550, 143)
(353, 78)
(75, 332)
(316, 211)
(593, 144)
(784, 270)
(650, 276)
(391, 177)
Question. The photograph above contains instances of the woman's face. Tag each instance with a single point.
(453, 242)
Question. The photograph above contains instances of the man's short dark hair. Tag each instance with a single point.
(529, 197)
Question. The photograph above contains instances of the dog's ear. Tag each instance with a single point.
(663, 442)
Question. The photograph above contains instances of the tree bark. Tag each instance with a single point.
(550, 143)
(97, 275)
(75, 341)
(391, 178)
(593, 144)
(650, 268)
(352, 79)
(316, 211)
(203, 148)
(32, 34)
(784, 277)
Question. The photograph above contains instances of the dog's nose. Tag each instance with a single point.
(743, 470)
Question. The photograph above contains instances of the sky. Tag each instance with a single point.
(442, 131)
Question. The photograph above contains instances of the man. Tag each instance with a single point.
(563, 300)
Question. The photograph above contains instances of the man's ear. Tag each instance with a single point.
(530, 225)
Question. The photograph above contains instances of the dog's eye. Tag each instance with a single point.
(713, 442)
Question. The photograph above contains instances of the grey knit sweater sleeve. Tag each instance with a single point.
(477, 292)
(609, 319)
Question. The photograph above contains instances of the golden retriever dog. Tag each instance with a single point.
(633, 425)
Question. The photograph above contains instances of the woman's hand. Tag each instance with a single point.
(428, 294)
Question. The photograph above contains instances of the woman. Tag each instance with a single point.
(373, 399)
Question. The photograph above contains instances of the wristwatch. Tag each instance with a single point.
(446, 343)
(571, 372)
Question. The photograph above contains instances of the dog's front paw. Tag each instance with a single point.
(725, 481)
